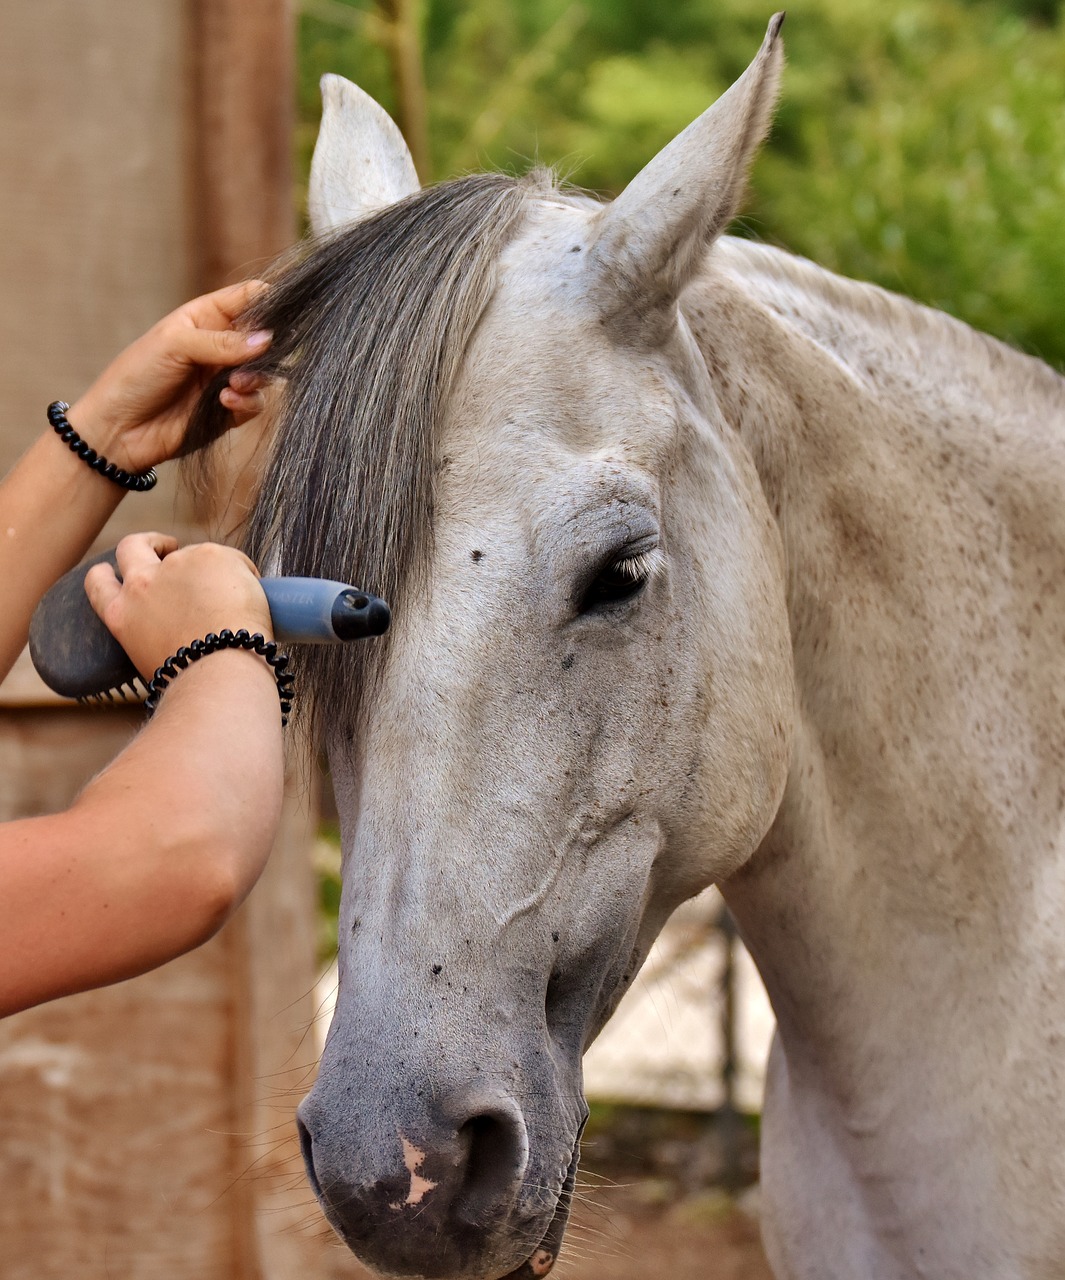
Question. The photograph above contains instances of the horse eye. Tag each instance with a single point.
(619, 580)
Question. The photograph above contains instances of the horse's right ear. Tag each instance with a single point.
(653, 239)
(361, 163)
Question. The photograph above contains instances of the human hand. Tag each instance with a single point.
(137, 410)
(169, 597)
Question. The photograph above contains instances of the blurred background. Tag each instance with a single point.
(155, 148)
(919, 144)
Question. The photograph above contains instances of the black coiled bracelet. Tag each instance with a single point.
(257, 643)
(137, 482)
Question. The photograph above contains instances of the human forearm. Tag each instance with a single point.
(51, 508)
(157, 851)
(206, 776)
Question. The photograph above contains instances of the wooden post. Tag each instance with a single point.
(404, 19)
(243, 87)
(242, 104)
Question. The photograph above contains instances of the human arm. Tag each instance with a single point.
(52, 505)
(163, 845)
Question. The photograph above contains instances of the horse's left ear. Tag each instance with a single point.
(653, 238)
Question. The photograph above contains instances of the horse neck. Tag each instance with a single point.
(914, 469)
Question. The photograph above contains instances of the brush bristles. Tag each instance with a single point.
(117, 694)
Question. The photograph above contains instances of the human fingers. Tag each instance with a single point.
(220, 346)
(228, 303)
(143, 550)
(221, 309)
(244, 381)
(243, 407)
(187, 595)
(102, 587)
(220, 585)
(211, 561)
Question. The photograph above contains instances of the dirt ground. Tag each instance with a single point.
(651, 1230)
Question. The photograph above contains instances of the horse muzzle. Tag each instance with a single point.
(453, 1192)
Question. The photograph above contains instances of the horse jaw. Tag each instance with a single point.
(361, 163)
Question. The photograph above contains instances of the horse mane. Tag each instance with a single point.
(370, 326)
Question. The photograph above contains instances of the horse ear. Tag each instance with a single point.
(653, 238)
(361, 163)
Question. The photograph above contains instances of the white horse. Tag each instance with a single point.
(709, 566)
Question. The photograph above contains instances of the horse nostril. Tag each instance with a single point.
(307, 1151)
(497, 1151)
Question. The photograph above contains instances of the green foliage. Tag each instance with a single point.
(327, 867)
(920, 144)
(934, 163)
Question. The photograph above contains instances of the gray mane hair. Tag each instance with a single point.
(370, 326)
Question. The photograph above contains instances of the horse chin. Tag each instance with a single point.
(539, 1263)
(545, 1256)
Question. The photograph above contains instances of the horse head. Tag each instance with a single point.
(498, 418)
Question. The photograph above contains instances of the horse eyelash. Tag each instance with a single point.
(640, 567)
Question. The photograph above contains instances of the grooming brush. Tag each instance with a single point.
(76, 656)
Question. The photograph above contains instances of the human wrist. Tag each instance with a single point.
(192, 655)
(95, 459)
(98, 430)
(230, 673)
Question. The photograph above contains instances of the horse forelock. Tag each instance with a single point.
(370, 327)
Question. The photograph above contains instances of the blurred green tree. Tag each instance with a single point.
(920, 144)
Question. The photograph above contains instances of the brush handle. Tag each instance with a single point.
(317, 611)
(76, 655)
